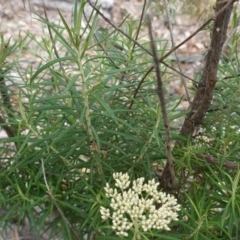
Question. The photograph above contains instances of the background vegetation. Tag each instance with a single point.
(88, 111)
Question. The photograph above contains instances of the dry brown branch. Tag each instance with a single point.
(118, 29)
(140, 23)
(205, 90)
(165, 56)
(212, 160)
(171, 178)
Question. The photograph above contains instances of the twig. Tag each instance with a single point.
(175, 52)
(171, 181)
(118, 29)
(182, 74)
(230, 77)
(138, 44)
(212, 160)
(140, 23)
(165, 56)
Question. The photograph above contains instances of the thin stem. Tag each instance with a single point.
(86, 101)
(140, 24)
(118, 29)
(175, 52)
(165, 56)
(163, 108)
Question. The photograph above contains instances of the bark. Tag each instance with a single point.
(208, 80)
(205, 90)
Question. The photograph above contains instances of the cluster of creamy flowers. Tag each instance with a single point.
(139, 206)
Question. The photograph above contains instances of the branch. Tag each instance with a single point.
(212, 160)
(165, 56)
(205, 90)
(118, 29)
(171, 179)
(175, 52)
(174, 49)
(206, 86)
(140, 23)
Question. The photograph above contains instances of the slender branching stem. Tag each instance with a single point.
(175, 52)
(160, 93)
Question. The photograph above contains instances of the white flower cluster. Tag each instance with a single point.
(140, 207)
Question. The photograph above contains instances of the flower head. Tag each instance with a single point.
(134, 207)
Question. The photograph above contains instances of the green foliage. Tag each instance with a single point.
(73, 129)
